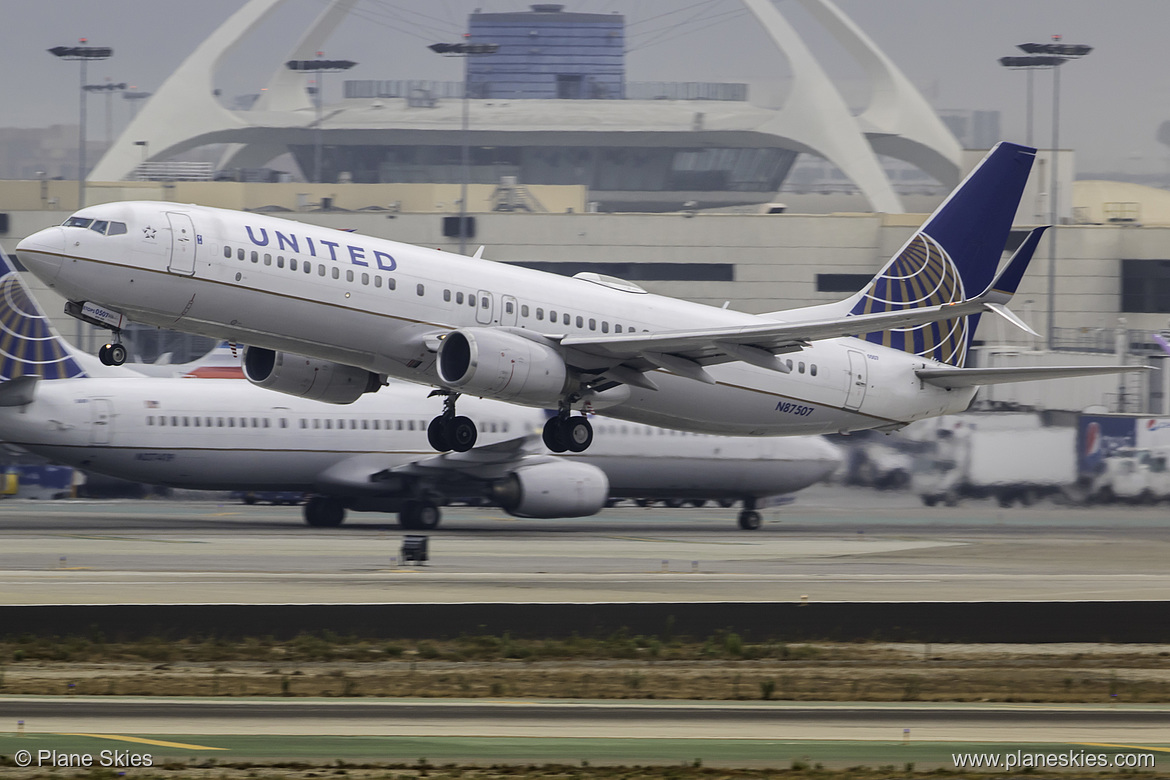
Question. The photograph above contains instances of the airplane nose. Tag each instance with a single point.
(42, 253)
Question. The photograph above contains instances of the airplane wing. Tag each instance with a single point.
(377, 474)
(969, 377)
(491, 461)
(685, 352)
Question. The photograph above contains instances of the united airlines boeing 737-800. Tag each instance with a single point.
(372, 455)
(364, 309)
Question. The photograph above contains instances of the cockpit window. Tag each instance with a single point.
(116, 229)
(80, 222)
(99, 226)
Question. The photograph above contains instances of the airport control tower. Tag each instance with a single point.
(550, 54)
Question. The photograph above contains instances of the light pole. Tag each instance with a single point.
(109, 89)
(135, 98)
(82, 54)
(320, 67)
(1049, 55)
(145, 156)
(464, 50)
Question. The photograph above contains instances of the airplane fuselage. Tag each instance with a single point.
(380, 305)
(229, 435)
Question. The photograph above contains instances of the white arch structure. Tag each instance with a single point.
(184, 113)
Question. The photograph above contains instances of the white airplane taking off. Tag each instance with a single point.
(372, 455)
(364, 309)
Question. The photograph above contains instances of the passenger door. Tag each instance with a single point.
(508, 314)
(485, 308)
(858, 380)
(182, 244)
(101, 420)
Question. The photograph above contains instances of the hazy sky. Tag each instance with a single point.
(1112, 102)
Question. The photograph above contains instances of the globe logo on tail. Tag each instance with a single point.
(28, 346)
(922, 275)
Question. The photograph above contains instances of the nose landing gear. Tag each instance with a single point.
(112, 354)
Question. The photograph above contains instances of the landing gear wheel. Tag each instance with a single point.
(324, 512)
(112, 354)
(461, 433)
(448, 432)
(749, 520)
(439, 435)
(554, 435)
(419, 516)
(578, 432)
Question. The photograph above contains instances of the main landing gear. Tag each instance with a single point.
(564, 432)
(112, 354)
(749, 518)
(448, 431)
(452, 432)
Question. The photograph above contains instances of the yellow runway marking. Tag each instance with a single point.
(145, 741)
(1130, 747)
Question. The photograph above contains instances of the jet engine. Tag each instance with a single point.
(493, 363)
(552, 489)
(320, 380)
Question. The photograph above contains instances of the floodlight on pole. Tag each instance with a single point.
(1048, 55)
(134, 97)
(464, 50)
(109, 88)
(82, 54)
(320, 67)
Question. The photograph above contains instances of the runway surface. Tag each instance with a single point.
(388, 730)
(832, 544)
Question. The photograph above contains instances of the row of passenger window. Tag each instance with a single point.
(190, 421)
(307, 267)
(554, 317)
(103, 226)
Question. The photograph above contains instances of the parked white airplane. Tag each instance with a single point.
(364, 309)
(369, 456)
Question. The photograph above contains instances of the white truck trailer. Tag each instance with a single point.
(1010, 466)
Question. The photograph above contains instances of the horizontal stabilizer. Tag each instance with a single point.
(972, 377)
(19, 391)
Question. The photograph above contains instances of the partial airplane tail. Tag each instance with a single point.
(28, 344)
(953, 257)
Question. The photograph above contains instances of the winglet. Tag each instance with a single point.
(1004, 285)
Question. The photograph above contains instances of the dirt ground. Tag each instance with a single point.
(722, 670)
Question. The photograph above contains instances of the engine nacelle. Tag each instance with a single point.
(320, 380)
(553, 489)
(493, 363)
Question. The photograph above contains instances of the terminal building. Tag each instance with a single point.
(553, 106)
